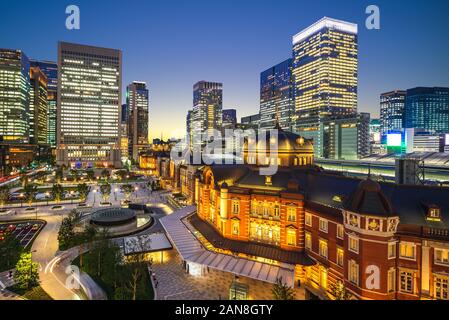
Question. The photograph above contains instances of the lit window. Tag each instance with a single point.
(235, 207)
(353, 270)
(441, 288)
(406, 282)
(392, 250)
(308, 219)
(276, 212)
(323, 248)
(353, 244)
(308, 241)
(291, 214)
(291, 237)
(340, 231)
(442, 256)
(268, 181)
(407, 250)
(340, 257)
(391, 280)
(434, 214)
(323, 225)
(236, 228)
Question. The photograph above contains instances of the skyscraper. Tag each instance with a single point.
(14, 96)
(89, 106)
(428, 109)
(276, 96)
(50, 69)
(392, 108)
(229, 118)
(138, 104)
(325, 66)
(124, 141)
(38, 111)
(207, 108)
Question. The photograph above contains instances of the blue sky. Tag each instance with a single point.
(173, 44)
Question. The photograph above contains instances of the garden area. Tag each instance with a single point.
(120, 279)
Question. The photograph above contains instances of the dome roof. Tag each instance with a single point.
(285, 141)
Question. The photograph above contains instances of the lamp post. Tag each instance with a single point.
(31, 268)
(71, 195)
(115, 193)
(21, 199)
(95, 196)
(47, 195)
(137, 189)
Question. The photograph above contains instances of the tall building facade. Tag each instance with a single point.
(207, 114)
(124, 141)
(14, 96)
(325, 71)
(392, 108)
(137, 100)
(50, 69)
(229, 118)
(38, 110)
(89, 106)
(276, 96)
(428, 109)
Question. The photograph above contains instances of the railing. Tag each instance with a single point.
(435, 232)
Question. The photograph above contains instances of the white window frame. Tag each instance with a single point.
(357, 240)
(324, 225)
(407, 272)
(323, 253)
(441, 263)
(289, 209)
(308, 219)
(394, 246)
(351, 264)
(391, 286)
(337, 260)
(290, 231)
(408, 244)
(441, 278)
(308, 245)
(340, 228)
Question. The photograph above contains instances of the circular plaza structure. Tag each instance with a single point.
(113, 217)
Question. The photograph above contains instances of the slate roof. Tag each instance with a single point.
(410, 203)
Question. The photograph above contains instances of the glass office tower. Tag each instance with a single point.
(38, 112)
(138, 106)
(207, 113)
(428, 109)
(392, 108)
(325, 66)
(14, 96)
(276, 96)
(89, 106)
(229, 118)
(50, 69)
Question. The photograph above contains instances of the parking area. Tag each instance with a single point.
(24, 231)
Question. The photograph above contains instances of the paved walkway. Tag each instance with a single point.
(175, 284)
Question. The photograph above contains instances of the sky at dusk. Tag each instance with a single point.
(173, 44)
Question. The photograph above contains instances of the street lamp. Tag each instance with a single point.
(95, 196)
(137, 189)
(21, 199)
(71, 195)
(115, 193)
(47, 195)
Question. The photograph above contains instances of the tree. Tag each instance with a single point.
(122, 174)
(90, 175)
(338, 290)
(105, 190)
(137, 265)
(127, 189)
(57, 192)
(30, 193)
(66, 234)
(105, 174)
(281, 291)
(75, 175)
(10, 250)
(83, 190)
(24, 179)
(5, 194)
(59, 174)
(26, 275)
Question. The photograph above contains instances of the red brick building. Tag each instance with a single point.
(347, 238)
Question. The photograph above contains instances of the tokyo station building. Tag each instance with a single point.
(372, 240)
